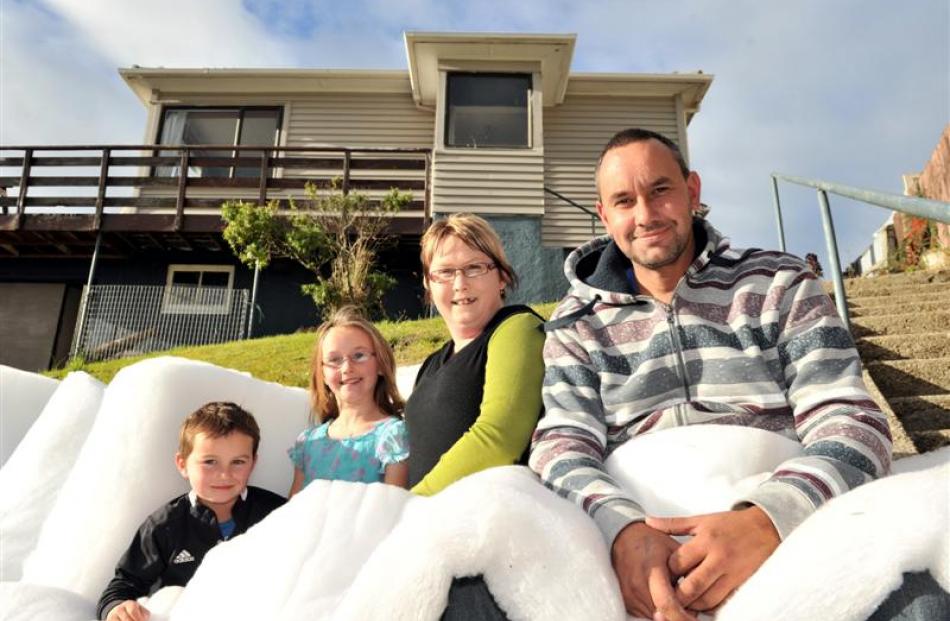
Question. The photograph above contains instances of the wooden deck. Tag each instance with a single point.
(64, 196)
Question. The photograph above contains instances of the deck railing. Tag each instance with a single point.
(86, 178)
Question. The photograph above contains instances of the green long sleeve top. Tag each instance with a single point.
(476, 408)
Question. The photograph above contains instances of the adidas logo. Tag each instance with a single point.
(183, 557)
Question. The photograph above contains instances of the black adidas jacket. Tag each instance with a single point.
(172, 542)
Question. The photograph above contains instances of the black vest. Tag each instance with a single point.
(447, 397)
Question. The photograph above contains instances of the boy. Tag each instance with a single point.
(217, 451)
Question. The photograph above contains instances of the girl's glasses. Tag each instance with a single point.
(360, 357)
(472, 270)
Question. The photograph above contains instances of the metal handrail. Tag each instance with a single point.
(920, 207)
(593, 215)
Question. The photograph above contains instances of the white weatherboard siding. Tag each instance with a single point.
(489, 181)
(359, 120)
(574, 134)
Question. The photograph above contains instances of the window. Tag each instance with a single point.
(198, 289)
(218, 126)
(487, 110)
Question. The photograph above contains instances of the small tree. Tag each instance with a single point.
(334, 235)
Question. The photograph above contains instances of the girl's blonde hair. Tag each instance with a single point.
(323, 405)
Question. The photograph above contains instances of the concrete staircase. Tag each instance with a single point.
(901, 323)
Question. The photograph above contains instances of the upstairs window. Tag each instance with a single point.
(487, 110)
(218, 126)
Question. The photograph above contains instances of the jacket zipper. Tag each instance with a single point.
(674, 339)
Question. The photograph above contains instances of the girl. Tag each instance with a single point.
(356, 430)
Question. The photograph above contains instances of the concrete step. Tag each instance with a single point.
(910, 322)
(926, 402)
(897, 306)
(912, 378)
(902, 444)
(905, 300)
(892, 280)
(904, 346)
(927, 413)
(927, 441)
(895, 289)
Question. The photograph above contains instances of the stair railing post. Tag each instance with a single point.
(778, 214)
(832, 246)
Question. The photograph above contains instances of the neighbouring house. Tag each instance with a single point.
(905, 241)
(494, 124)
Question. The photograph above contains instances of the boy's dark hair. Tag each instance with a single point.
(638, 134)
(217, 419)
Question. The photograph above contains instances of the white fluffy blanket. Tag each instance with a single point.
(351, 551)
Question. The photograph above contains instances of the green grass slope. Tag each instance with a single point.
(286, 358)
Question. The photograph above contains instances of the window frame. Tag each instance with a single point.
(529, 109)
(241, 110)
(174, 307)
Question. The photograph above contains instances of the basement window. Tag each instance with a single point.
(487, 110)
(250, 126)
(198, 290)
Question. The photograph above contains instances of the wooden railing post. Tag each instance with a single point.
(182, 184)
(101, 194)
(24, 184)
(262, 189)
(346, 172)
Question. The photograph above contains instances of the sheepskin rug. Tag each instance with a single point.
(346, 551)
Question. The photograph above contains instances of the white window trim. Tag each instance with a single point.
(172, 307)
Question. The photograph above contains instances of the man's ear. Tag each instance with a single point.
(600, 212)
(693, 186)
(180, 464)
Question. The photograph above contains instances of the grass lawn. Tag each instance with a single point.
(286, 358)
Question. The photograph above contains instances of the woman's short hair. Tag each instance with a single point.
(476, 233)
(323, 405)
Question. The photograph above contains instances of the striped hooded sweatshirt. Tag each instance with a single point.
(749, 338)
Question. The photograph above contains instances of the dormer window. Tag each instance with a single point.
(487, 110)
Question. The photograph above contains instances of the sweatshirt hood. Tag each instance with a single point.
(599, 268)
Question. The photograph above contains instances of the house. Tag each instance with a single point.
(494, 124)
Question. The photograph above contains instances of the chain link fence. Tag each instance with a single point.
(127, 320)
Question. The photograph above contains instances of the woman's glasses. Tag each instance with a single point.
(472, 270)
(336, 361)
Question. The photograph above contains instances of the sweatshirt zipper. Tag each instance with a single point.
(674, 339)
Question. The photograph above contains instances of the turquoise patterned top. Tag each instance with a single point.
(360, 458)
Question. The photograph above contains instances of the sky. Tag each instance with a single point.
(850, 91)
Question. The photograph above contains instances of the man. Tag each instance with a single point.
(666, 325)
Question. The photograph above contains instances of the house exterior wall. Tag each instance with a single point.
(338, 119)
(935, 181)
(574, 134)
(358, 120)
(29, 322)
(488, 181)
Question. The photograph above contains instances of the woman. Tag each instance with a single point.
(477, 399)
